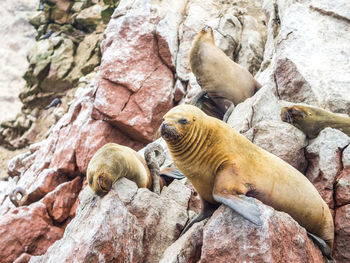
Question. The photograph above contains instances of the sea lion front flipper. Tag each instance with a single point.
(229, 190)
(325, 249)
(241, 204)
(207, 210)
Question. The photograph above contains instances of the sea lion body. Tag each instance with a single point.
(312, 120)
(113, 161)
(223, 165)
(216, 73)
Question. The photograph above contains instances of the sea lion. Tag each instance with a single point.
(113, 161)
(225, 168)
(312, 120)
(223, 79)
(206, 104)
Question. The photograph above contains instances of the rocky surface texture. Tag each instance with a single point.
(69, 34)
(144, 72)
(17, 37)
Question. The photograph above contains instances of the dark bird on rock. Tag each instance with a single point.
(47, 35)
(54, 103)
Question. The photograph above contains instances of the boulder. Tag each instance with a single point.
(324, 157)
(342, 229)
(127, 225)
(228, 237)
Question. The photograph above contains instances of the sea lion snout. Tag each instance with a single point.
(290, 114)
(205, 29)
(169, 132)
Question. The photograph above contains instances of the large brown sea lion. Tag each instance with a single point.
(312, 120)
(223, 79)
(225, 167)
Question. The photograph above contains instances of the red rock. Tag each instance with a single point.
(135, 89)
(342, 234)
(64, 158)
(27, 229)
(60, 201)
(228, 237)
(93, 135)
(342, 192)
(111, 98)
(45, 182)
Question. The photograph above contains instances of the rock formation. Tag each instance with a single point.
(296, 49)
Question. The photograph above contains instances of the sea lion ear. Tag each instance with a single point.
(194, 119)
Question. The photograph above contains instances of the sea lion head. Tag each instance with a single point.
(293, 114)
(206, 34)
(100, 182)
(179, 122)
(303, 117)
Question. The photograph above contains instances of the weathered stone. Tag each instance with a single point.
(342, 238)
(89, 18)
(299, 80)
(342, 190)
(323, 154)
(39, 61)
(228, 237)
(187, 248)
(262, 106)
(16, 238)
(60, 201)
(121, 226)
(131, 65)
(87, 56)
(61, 63)
(283, 140)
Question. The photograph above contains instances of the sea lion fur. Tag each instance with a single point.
(225, 167)
(312, 120)
(223, 79)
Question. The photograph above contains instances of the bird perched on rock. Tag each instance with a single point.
(54, 103)
(47, 35)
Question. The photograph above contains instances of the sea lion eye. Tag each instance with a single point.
(183, 121)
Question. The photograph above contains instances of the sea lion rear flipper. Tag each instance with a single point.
(171, 173)
(229, 190)
(222, 102)
(325, 249)
(207, 210)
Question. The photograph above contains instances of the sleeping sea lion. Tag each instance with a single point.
(225, 168)
(312, 120)
(113, 161)
(223, 79)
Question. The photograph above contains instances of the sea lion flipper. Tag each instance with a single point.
(242, 205)
(172, 172)
(325, 249)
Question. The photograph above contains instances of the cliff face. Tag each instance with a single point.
(296, 49)
(17, 37)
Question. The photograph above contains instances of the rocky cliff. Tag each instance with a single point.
(297, 50)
